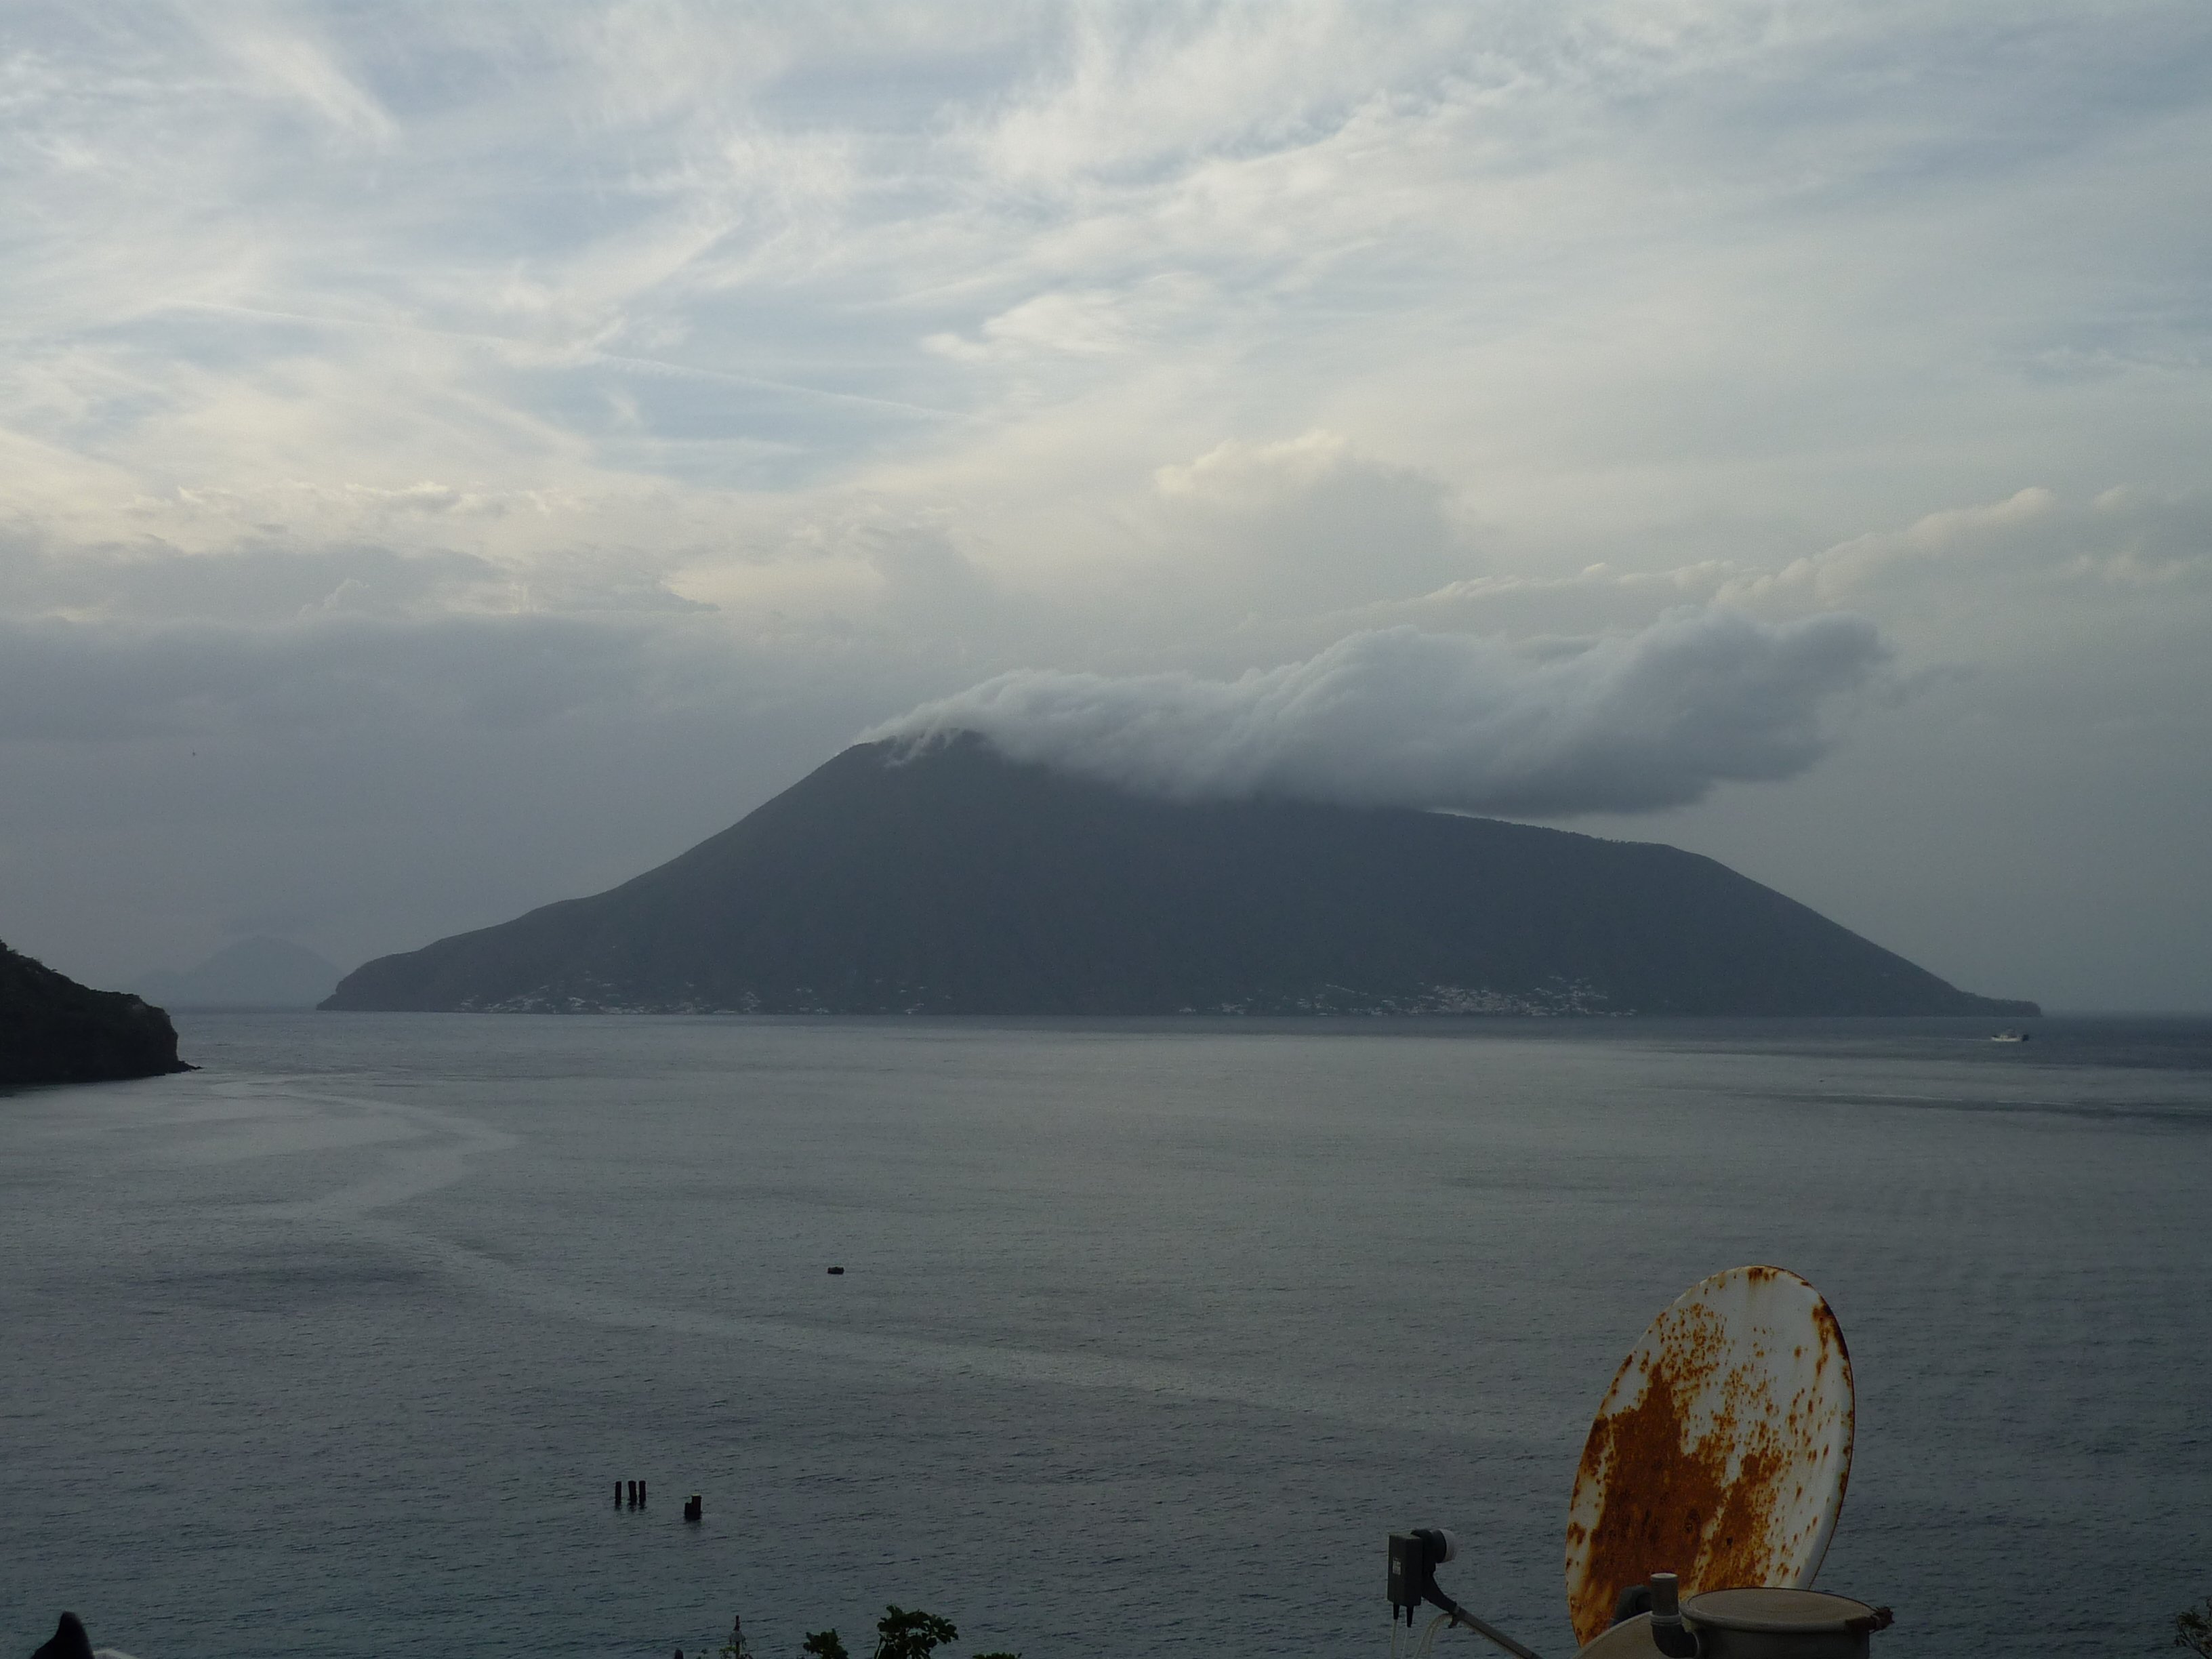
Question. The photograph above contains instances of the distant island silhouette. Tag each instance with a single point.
(54, 1030)
(247, 973)
(952, 880)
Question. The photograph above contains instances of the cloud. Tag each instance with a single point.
(1959, 584)
(1310, 524)
(384, 378)
(287, 64)
(1397, 717)
(252, 584)
(279, 264)
(268, 582)
(338, 672)
(1952, 537)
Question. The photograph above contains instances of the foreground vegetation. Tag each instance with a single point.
(2192, 1629)
(900, 1634)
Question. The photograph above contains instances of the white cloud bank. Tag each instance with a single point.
(1399, 717)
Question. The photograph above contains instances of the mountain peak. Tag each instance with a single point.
(247, 973)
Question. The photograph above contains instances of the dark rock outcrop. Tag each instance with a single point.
(69, 1641)
(54, 1030)
(959, 882)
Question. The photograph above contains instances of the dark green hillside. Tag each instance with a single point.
(959, 882)
(54, 1030)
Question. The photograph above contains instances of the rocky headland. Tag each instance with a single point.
(54, 1030)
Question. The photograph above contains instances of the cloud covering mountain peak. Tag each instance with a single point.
(1399, 717)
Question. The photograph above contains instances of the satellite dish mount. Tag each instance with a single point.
(1708, 1489)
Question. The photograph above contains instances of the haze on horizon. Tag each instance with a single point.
(453, 458)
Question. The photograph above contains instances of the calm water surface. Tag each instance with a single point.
(1150, 1333)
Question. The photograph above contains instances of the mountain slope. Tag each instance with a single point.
(957, 882)
(54, 1030)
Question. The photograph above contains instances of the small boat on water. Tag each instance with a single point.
(2010, 1036)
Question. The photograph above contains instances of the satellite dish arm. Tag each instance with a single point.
(1423, 1551)
(1460, 1616)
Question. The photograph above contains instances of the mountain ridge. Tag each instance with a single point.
(955, 881)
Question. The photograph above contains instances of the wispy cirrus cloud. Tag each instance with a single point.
(918, 345)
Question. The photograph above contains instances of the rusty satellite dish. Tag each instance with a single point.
(1720, 1451)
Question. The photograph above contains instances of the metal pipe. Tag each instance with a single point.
(1668, 1633)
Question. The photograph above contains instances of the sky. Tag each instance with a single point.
(454, 457)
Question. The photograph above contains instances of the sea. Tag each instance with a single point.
(1149, 1333)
